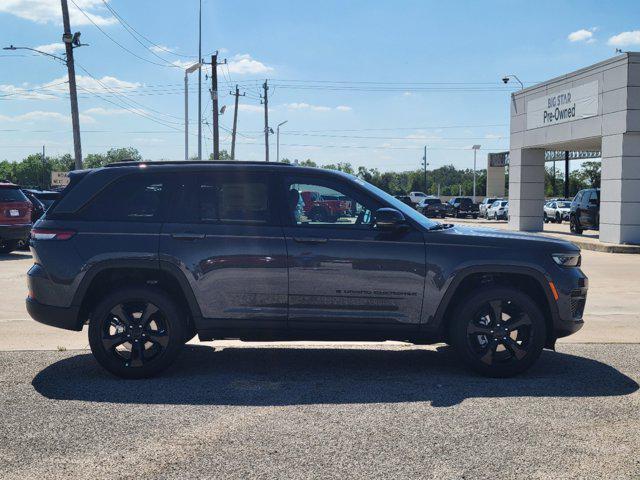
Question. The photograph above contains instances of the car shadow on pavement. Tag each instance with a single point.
(297, 376)
(14, 256)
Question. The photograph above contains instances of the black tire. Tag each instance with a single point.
(574, 225)
(474, 216)
(8, 246)
(129, 349)
(467, 332)
(558, 218)
(444, 215)
(545, 218)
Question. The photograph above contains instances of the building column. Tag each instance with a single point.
(620, 189)
(526, 189)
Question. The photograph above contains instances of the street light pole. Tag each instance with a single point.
(424, 165)
(189, 70)
(200, 83)
(475, 151)
(278, 140)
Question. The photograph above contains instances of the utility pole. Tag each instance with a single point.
(200, 83)
(191, 69)
(566, 174)
(214, 102)
(278, 140)
(475, 151)
(235, 122)
(68, 40)
(265, 101)
(44, 170)
(424, 165)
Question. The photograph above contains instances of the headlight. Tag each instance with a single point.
(567, 259)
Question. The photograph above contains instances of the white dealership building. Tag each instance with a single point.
(596, 108)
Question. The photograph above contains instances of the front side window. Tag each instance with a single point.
(314, 203)
(133, 198)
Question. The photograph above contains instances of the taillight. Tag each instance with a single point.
(46, 234)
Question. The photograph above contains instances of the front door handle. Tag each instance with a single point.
(310, 240)
(187, 236)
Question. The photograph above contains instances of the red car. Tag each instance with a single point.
(15, 217)
(323, 208)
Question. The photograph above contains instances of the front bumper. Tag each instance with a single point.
(572, 298)
(60, 317)
(15, 232)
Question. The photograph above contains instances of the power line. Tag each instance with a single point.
(160, 47)
(119, 44)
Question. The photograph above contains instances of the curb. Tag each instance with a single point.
(601, 247)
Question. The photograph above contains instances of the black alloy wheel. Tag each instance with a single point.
(558, 217)
(574, 226)
(136, 332)
(498, 331)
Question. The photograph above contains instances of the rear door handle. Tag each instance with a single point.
(187, 236)
(310, 240)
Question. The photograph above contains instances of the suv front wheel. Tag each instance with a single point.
(136, 332)
(498, 331)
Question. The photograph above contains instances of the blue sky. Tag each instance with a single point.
(438, 65)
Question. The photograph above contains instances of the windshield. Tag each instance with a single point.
(406, 210)
(564, 204)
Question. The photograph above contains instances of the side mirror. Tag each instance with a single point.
(388, 219)
(593, 201)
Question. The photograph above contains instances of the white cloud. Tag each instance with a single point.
(582, 35)
(161, 49)
(37, 115)
(100, 85)
(244, 64)
(49, 11)
(316, 108)
(113, 111)
(625, 39)
(184, 64)
(243, 107)
(490, 136)
(51, 48)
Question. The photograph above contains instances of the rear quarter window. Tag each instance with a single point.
(135, 198)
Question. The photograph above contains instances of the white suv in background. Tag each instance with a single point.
(417, 197)
(485, 204)
(556, 211)
(499, 210)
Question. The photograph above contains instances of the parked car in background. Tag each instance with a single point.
(585, 211)
(38, 207)
(556, 211)
(15, 217)
(46, 197)
(417, 197)
(323, 208)
(462, 207)
(406, 200)
(485, 204)
(499, 210)
(432, 207)
(497, 297)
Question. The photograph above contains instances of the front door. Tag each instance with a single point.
(344, 273)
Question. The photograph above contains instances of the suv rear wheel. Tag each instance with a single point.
(498, 331)
(574, 226)
(136, 332)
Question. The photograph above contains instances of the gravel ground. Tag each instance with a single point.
(375, 411)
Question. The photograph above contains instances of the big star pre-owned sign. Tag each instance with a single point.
(563, 106)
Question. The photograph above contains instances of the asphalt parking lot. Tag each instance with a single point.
(391, 410)
(373, 411)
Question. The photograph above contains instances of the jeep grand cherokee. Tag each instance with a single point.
(151, 254)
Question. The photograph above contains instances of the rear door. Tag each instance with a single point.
(223, 232)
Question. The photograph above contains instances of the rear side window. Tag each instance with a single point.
(11, 194)
(224, 199)
(136, 198)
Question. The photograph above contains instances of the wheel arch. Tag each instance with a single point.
(529, 280)
(106, 276)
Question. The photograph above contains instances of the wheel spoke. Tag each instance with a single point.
(515, 349)
(113, 341)
(137, 354)
(488, 356)
(496, 308)
(521, 321)
(475, 329)
(149, 310)
(122, 314)
(159, 337)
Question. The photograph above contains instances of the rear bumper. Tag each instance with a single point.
(60, 317)
(15, 232)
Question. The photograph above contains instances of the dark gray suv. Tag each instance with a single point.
(151, 254)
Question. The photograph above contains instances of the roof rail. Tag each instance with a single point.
(129, 163)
